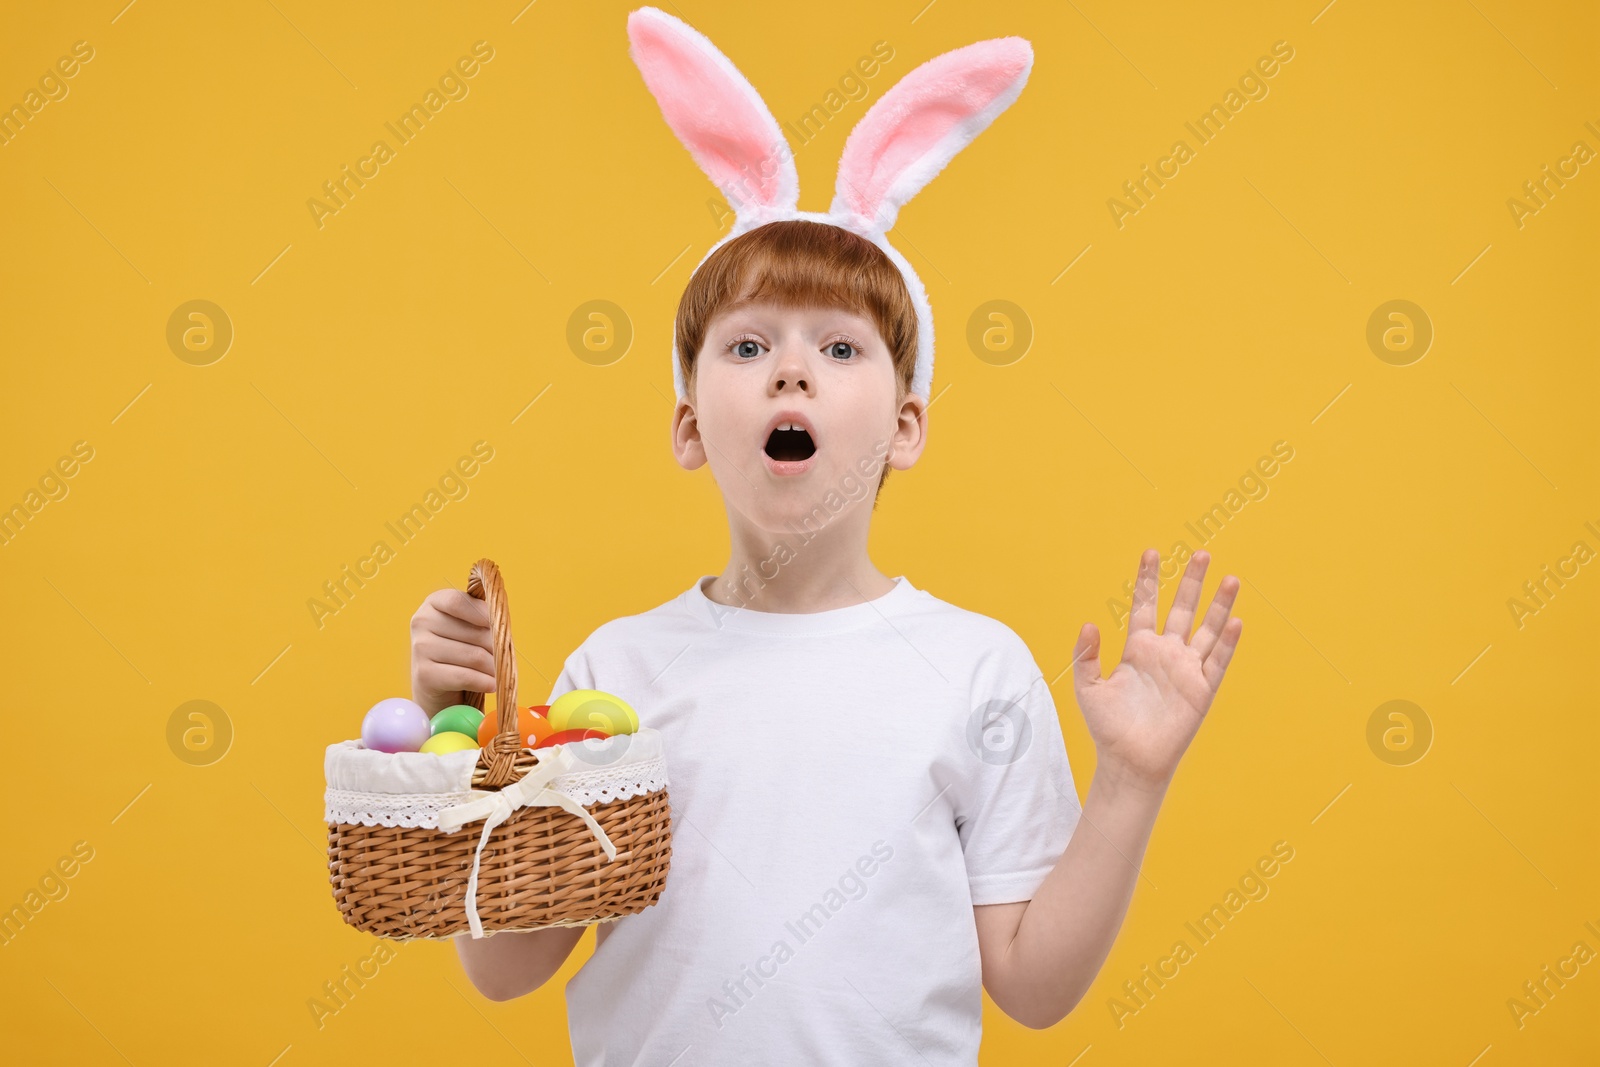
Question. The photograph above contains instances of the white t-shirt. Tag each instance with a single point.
(845, 785)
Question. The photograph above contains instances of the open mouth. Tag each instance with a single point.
(789, 443)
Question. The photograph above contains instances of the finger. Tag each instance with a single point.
(1211, 626)
(1143, 616)
(461, 605)
(1216, 664)
(458, 653)
(1086, 658)
(448, 678)
(439, 624)
(1180, 619)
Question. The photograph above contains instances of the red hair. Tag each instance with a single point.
(801, 263)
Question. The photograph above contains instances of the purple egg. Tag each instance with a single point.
(395, 724)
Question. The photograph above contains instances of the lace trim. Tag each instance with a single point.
(599, 786)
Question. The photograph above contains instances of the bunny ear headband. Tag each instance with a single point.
(904, 139)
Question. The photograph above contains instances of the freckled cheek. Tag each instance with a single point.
(848, 441)
(728, 434)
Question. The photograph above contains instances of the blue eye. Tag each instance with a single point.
(748, 348)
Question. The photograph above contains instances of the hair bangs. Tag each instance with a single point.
(800, 263)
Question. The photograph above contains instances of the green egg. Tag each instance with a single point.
(458, 718)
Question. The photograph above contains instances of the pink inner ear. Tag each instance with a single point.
(729, 135)
(920, 111)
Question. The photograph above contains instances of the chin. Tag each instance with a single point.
(784, 505)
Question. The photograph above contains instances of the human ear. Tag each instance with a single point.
(687, 445)
(910, 432)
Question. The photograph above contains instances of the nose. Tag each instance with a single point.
(789, 371)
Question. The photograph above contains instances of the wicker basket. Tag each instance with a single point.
(522, 857)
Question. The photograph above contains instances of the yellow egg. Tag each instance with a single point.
(591, 709)
(448, 741)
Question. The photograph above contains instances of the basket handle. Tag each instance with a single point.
(499, 758)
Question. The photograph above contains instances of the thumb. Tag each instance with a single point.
(1086, 658)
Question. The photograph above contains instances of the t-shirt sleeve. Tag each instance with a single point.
(1020, 806)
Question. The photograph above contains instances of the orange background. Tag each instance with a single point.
(1165, 357)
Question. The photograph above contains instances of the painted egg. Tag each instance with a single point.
(532, 726)
(448, 741)
(572, 735)
(458, 718)
(591, 709)
(395, 724)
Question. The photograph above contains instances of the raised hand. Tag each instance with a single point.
(1143, 717)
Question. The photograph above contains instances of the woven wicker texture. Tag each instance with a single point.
(541, 868)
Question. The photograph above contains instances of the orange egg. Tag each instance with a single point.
(532, 726)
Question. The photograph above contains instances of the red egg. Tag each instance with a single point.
(564, 736)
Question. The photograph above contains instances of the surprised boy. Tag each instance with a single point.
(873, 815)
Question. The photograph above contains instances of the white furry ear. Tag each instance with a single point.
(715, 112)
(920, 124)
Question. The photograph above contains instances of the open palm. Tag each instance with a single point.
(1143, 717)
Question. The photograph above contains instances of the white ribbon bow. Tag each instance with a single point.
(496, 806)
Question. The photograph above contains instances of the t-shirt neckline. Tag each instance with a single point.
(834, 620)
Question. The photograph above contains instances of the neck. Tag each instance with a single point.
(801, 568)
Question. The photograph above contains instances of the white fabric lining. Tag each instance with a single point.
(370, 788)
(602, 786)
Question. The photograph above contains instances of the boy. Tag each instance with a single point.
(872, 806)
(873, 816)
